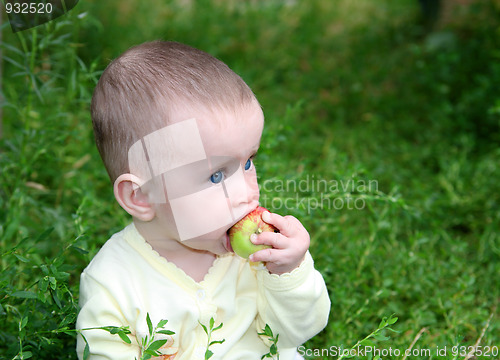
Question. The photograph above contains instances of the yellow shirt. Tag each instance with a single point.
(127, 280)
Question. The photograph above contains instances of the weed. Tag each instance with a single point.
(209, 330)
(273, 349)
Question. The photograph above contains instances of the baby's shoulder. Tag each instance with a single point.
(114, 256)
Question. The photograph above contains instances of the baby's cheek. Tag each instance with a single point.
(200, 213)
(253, 185)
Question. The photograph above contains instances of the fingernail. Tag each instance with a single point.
(253, 238)
(266, 216)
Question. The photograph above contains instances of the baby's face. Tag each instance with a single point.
(201, 174)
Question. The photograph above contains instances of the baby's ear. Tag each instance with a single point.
(128, 193)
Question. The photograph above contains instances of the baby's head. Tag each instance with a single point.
(151, 86)
(176, 129)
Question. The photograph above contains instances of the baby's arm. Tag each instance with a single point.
(293, 298)
(99, 308)
(295, 305)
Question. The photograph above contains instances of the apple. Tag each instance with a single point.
(239, 233)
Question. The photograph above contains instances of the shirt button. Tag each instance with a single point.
(200, 294)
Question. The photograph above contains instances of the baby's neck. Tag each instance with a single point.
(195, 263)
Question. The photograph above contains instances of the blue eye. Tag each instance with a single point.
(217, 177)
(248, 164)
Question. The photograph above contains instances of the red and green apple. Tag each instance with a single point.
(239, 233)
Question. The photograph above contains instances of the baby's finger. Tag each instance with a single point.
(265, 255)
(276, 240)
(282, 223)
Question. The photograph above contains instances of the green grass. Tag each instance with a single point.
(353, 92)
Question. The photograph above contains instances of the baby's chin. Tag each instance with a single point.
(216, 242)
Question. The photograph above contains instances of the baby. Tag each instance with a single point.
(178, 131)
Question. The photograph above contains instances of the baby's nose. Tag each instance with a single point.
(239, 194)
(246, 192)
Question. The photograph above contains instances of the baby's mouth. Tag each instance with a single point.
(228, 242)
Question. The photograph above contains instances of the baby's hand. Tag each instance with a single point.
(289, 245)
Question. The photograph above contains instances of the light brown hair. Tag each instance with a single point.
(138, 92)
